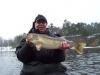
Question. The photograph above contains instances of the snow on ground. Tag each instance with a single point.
(13, 49)
(92, 47)
(7, 49)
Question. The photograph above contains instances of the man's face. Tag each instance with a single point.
(41, 25)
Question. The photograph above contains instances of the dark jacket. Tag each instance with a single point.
(43, 62)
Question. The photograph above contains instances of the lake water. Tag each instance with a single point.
(86, 64)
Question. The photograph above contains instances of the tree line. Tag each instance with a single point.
(89, 33)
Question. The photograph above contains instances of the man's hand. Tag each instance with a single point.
(64, 45)
(29, 43)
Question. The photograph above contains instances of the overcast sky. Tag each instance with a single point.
(16, 16)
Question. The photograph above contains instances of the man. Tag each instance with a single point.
(45, 61)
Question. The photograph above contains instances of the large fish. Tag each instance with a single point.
(44, 41)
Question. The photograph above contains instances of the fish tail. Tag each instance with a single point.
(79, 47)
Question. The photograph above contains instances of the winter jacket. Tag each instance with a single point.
(43, 62)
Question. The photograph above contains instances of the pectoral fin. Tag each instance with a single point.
(38, 46)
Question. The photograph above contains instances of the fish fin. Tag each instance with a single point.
(79, 47)
(38, 46)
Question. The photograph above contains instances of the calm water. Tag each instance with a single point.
(9, 65)
(86, 64)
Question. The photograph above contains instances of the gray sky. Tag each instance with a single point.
(16, 16)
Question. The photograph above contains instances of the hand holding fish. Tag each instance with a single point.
(64, 45)
(29, 43)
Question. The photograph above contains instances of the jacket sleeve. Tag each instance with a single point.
(24, 52)
(58, 55)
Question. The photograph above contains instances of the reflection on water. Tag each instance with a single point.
(86, 64)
